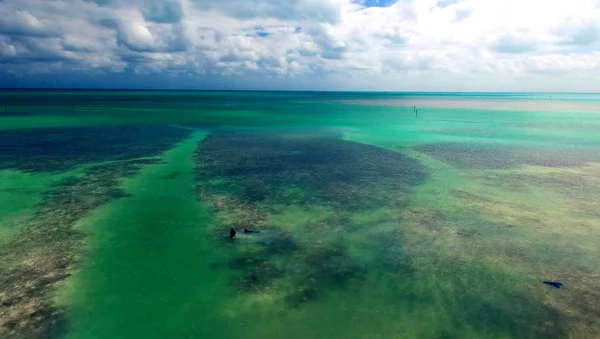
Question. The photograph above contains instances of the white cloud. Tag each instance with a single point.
(23, 23)
(411, 44)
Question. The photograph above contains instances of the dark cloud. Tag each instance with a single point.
(33, 50)
(129, 80)
(81, 45)
(108, 22)
(267, 39)
(307, 53)
(104, 2)
(394, 36)
(336, 53)
(231, 57)
(238, 56)
(329, 46)
(159, 11)
(168, 11)
(177, 40)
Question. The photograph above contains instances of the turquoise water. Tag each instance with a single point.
(374, 221)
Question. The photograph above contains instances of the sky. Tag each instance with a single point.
(403, 45)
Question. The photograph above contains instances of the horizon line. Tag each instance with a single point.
(277, 90)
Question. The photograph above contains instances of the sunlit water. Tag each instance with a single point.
(376, 221)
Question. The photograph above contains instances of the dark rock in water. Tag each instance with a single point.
(554, 284)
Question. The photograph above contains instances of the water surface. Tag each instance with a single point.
(374, 221)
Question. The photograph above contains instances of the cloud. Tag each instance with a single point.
(446, 3)
(136, 36)
(23, 23)
(75, 43)
(512, 43)
(585, 36)
(462, 14)
(238, 56)
(403, 62)
(140, 36)
(576, 65)
(331, 44)
(310, 10)
(7, 50)
(168, 11)
(579, 33)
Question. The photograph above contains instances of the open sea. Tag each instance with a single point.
(374, 215)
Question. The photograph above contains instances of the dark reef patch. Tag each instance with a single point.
(36, 260)
(390, 253)
(331, 265)
(260, 166)
(249, 177)
(256, 272)
(60, 149)
(531, 319)
(47, 250)
(481, 156)
(357, 195)
(303, 293)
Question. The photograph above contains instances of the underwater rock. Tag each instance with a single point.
(554, 284)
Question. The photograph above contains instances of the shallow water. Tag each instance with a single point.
(374, 222)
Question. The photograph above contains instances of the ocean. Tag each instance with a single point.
(372, 215)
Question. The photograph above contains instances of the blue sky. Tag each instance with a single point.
(376, 3)
(405, 45)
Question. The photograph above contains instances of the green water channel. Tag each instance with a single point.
(148, 273)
